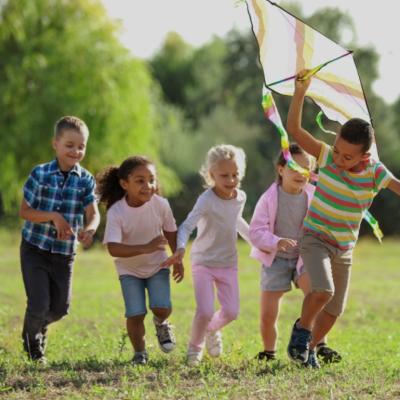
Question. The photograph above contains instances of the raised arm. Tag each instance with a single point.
(394, 186)
(294, 121)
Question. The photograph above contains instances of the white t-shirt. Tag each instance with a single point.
(217, 221)
(135, 226)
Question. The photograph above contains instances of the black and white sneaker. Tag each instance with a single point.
(165, 336)
(312, 361)
(140, 358)
(327, 355)
(299, 344)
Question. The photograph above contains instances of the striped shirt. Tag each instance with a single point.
(341, 198)
(47, 189)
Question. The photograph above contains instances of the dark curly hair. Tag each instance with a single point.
(108, 186)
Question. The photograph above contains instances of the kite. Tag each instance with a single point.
(287, 45)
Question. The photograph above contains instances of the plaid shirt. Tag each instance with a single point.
(47, 190)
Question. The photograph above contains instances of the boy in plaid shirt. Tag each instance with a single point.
(57, 197)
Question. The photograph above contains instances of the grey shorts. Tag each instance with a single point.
(280, 275)
(329, 270)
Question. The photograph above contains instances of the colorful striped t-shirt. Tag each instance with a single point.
(341, 198)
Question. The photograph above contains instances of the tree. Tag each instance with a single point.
(64, 57)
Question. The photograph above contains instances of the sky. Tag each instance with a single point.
(146, 22)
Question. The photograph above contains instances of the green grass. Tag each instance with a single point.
(89, 353)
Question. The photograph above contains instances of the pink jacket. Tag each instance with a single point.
(262, 225)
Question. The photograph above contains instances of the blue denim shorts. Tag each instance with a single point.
(133, 291)
(280, 275)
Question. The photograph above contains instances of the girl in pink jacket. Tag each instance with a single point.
(274, 232)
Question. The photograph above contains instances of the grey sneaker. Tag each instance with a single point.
(312, 361)
(165, 336)
(140, 358)
(299, 344)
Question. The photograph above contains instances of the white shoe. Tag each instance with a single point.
(193, 357)
(214, 343)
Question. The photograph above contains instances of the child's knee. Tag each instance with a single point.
(161, 313)
(204, 315)
(321, 296)
(230, 315)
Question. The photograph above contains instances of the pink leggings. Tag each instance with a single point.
(205, 319)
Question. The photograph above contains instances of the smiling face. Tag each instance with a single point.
(140, 185)
(348, 156)
(70, 148)
(292, 181)
(225, 174)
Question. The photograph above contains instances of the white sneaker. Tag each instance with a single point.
(193, 357)
(214, 343)
(165, 336)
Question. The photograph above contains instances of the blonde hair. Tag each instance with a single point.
(218, 153)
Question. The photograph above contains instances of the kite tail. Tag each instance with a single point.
(271, 113)
(318, 120)
(374, 225)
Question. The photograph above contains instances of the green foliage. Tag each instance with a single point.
(64, 57)
(215, 91)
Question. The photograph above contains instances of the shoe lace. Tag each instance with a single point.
(165, 334)
(312, 359)
(303, 338)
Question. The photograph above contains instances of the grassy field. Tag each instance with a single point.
(89, 354)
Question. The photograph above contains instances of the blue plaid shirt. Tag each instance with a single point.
(48, 190)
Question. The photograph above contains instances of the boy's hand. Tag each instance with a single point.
(176, 258)
(64, 230)
(158, 243)
(286, 244)
(86, 237)
(178, 272)
(302, 82)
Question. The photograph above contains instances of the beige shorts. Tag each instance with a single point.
(329, 270)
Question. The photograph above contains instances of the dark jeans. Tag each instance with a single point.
(47, 279)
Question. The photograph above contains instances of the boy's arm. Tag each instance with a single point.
(394, 186)
(64, 230)
(92, 216)
(293, 125)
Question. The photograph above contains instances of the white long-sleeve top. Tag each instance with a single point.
(218, 221)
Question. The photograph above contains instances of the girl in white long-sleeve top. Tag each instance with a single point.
(217, 215)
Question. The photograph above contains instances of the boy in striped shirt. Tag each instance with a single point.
(348, 181)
